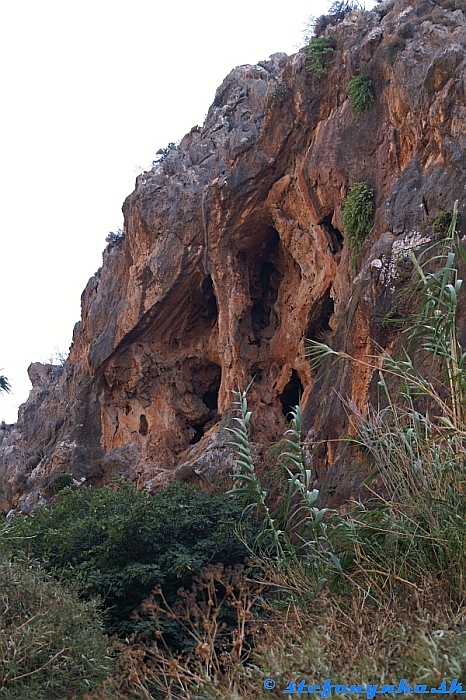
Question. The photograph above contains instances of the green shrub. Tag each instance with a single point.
(442, 223)
(120, 542)
(358, 217)
(51, 643)
(61, 481)
(317, 54)
(116, 236)
(361, 93)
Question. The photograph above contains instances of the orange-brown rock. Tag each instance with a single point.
(234, 252)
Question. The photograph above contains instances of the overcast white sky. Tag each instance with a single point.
(90, 91)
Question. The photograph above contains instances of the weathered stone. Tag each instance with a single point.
(234, 251)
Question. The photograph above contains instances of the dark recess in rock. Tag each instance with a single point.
(209, 310)
(199, 432)
(201, 309)
(264, 284)
(335, 236)
(319, 317)
(267, 286)
(210, 398)
(206, 384)
(292, 393)
(143, 425)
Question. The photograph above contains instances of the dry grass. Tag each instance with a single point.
(346, 638)
(217, 614)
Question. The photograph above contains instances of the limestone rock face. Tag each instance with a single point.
(234, 252)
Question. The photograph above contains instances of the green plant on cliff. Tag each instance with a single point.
(61, 481)
(5, 385)
(278, 93)
(361, 93)
(116, 236)
(358, 217)
(394, 47)
(318, 54)
(442, 223)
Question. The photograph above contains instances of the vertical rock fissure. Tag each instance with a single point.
(292, 393)
(264, 283)
(206, 384)
(318, 320)
(334, 235)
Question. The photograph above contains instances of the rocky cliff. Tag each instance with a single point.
(234, 252)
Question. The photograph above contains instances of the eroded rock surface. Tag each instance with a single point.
(235, 251)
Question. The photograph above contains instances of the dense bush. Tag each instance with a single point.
(61, 481)
(51, 643)
(361, 93)
(120, 543)
(278, 93)
(358, 216)
(317, 55)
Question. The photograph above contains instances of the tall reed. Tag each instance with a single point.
(414, 531)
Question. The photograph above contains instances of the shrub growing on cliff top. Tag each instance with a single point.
(336, 13)
(358, 217)
(61, 481)
(116, 236)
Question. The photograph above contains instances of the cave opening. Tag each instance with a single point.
(198, 434)
(210, 310)
(210, 398)
(264, 284)
(291, 395)
(205, 382)
(143, 425)
(318, 319)
(201, 308)
(335, 236)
